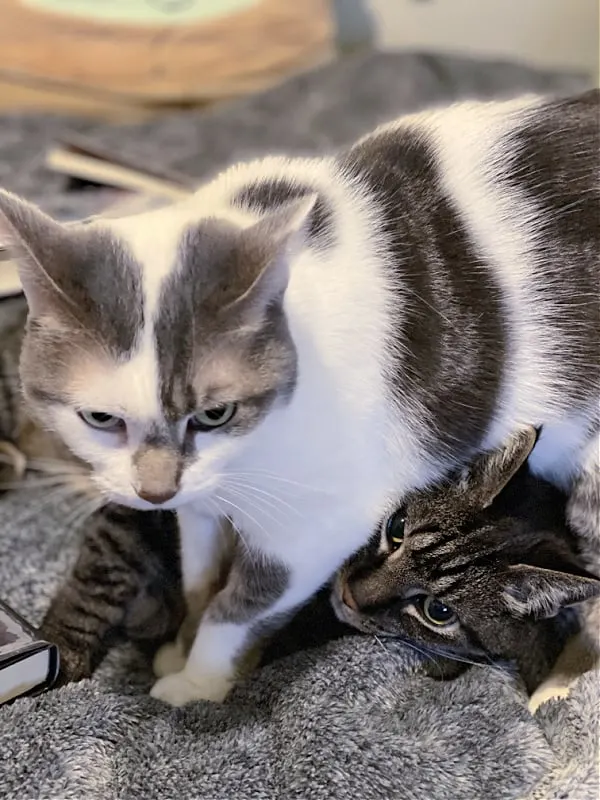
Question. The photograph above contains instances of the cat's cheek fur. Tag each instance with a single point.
(107, 453)
(215, 455)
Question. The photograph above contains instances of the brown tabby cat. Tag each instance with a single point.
(478, 570)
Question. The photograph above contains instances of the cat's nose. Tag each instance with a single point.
(348, 599)
(156, 498)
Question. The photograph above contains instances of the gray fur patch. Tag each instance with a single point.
(253, 585)
(213, 349)
(271, 193)
(556, 164)
(83, 275)
(104, 283)
(450, 333)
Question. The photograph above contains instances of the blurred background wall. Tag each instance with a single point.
(561, 34)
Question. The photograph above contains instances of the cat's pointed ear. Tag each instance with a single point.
(34, 240)
(485, 478)
(272, 241)
(539, 592)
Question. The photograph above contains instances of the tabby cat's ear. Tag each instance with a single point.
(485, 478)
(269, 244)
(35, 241)
(544, 592)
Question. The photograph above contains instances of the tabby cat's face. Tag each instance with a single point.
(462, 573)
(157, 346)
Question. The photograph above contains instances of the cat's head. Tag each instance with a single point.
(157, 346)
(475, 570)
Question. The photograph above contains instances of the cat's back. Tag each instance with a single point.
(529, 166)
(488, 216)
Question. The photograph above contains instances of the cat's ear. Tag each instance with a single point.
(485, 478)
(270, 243)
(543, 593)
(35, 241)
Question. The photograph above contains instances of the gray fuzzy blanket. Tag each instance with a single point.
(353, 719)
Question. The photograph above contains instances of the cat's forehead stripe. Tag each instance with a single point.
(202, 250)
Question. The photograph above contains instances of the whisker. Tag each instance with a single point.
(272, 476)
(256, 490)
(254, 557)
(421, 651)
(248, 499)
(33, 483)
(82, 512)
(465, 660)
(61, 494)
(60, 464)
(244, 513)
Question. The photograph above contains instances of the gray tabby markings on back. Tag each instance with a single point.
(450, 329)
(13, 312)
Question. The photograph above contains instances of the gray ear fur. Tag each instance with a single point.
(544, 592)
(270, 242)
(33, 238)
(483, 480)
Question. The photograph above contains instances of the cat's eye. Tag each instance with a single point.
(435, 611)
(102, 421)
(211, 418)
(394, 529)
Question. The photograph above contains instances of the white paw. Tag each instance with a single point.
(178, 689)
(169, 659)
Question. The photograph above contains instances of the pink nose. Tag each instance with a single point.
(156, 498)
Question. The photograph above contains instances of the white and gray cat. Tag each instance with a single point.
(306, 340)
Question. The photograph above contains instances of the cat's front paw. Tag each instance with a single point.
(177, 689)
(169, 659)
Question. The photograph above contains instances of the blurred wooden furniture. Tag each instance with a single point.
(79, 59)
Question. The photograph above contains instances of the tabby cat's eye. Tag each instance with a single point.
(211, 418)
(102, 421)
(394, 529)
(436, 612)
